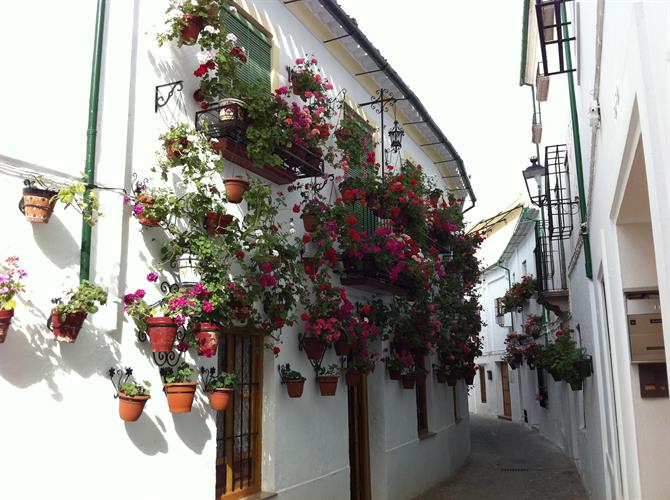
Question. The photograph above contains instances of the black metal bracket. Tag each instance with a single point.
(119, 377)
(316, 364)
(161, 100)
(207, 375)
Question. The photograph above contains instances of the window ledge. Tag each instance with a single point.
(426, 434)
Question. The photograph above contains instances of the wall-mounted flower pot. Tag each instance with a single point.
(314, 348)
(295, 387)
(555, 376)
(342, 347)
(38, 204)
(452, 379)
(310, 222)
(469, 377)
(408, 381)
(216, 223)
(147, 202)
(174, 147)
(577, 385)
(441, 377)
(353, 377)
(328, 384)
(235, 189)
(207, 337)
(162, 333)
(536, 133)
(67, 330)
(180, 396)
(219, 398)
(192, 28)
(394, 374)
(5, 320)
(542, 87)
(131, 407)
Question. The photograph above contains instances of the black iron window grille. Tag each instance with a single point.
(561, 207)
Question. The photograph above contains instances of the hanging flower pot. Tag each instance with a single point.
(452, 379)
(441, 377)
(68, 329)
(394, 374)
(188, 269)
(235, 189)
(147, 203)
(233, 114)
(328, 384)
(577, 385)
(162, 333)
(555, 375)
(131, 407)
(353, 377)
(310, 222)
(38, 204)
(408, 381)
(192, 28)
(216, 223)
(219, 398)
(342, 347)
(207, 337)
(295, 387)
(180, 396)
(174, 147)
(469, 377)
(314, 347)
(5, 320)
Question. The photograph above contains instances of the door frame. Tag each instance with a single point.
(504, 381)
(359, 441)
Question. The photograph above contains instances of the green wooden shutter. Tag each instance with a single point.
(257, 45)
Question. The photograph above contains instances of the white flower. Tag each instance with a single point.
(231, 38)
(204, 55)
(258, 232)
(291, 231)
(232, 9)
(275, 253)
(193, 138)
(210, 29)
(194, 3)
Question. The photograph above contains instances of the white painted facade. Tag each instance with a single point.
(618, 439)
(61, 435)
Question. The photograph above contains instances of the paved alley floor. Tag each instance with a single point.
(509, 461)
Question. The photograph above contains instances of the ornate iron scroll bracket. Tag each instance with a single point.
(119, 377)
(160, 99)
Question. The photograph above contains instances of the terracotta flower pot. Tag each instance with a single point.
(310, 222)
(342, 347)
(219, 398)
(174, 147)
(408, 381)
(180, 396)
(328, 385)
(67, 330)
(395, 374)
(353, 377)
(162, 332)
(577, 385)
(216, 223)
(131, 407)
(314, 348)
(295, 387)
(207, 337)
(235, 189)
(147, 202)
(441, 377)
(38, 204)
(193, 27)
(5, 320)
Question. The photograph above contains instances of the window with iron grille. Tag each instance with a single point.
(258, 47)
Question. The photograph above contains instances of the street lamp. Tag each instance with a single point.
(396, 134)
(535, 171)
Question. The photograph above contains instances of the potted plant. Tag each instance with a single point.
(187, 19)
(132, 397)
(327, 378)
(533, 325)
(152, 206)
(293, 379)
(11, 275)
(179, 388)
(408, 378)
(313, 213)
(395, 366)
(71, 310)
(570, 362)
(235, 188)
(220, 388)
(38, 203)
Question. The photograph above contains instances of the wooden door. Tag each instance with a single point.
(359, 443)
(507, 405)
(238, 428)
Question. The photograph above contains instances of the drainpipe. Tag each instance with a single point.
(91, 133)
(509, 284)
(584, 230)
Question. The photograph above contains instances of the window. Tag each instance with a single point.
(258, 48)
(482, 383)
(421, 403)
(500, 311)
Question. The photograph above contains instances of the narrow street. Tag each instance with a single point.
(509, 461)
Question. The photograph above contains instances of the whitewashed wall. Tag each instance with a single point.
(63, 410)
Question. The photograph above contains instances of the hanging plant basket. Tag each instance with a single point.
(174, 147)
(162, 333)
(556, 376)
(235, 189)
(342, 347)
(353, 377)
(441, 377)
(394, 374)
(469, 377)
(5, 320)
(38, 204)
(68, 329)
(310, 222)
(207, 337)
(216, 223)
(328, 384)
(131, 407)
(577, 385)
(191, 30)
(180, 396)
(452, 379)
(408, 381)
(147, 202)
(314, 347)
(295, 387)
(219, 398)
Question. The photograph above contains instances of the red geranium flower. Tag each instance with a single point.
(352, 220)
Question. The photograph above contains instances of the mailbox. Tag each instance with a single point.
(645, 328)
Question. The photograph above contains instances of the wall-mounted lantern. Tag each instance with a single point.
(396, 134)
(537, 172)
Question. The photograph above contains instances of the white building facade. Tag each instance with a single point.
(64, 415)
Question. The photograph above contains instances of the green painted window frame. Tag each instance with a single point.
(258, 47)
